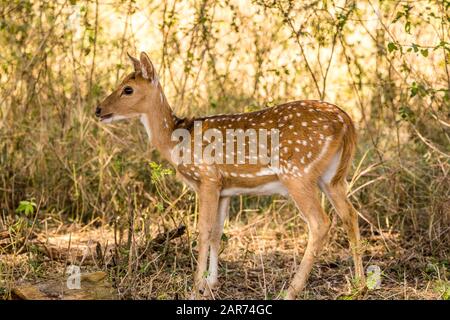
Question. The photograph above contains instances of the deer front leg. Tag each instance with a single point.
(209, 202)
(216, 236)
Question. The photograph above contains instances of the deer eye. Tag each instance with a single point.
(128, 90)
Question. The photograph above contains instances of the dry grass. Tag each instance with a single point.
(261, 247)
(95, 182)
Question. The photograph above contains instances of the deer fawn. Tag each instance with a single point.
(315, 149)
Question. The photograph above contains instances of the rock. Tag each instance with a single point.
(93, 286)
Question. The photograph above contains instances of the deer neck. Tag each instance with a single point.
(159, 123)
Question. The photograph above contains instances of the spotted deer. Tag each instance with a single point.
(315, 149)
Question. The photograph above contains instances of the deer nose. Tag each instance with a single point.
(98, 111)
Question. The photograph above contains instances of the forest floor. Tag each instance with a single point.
(259, 255)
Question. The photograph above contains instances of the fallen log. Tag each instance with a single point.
(163, 238)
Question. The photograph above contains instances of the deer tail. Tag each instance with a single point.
(348, 149)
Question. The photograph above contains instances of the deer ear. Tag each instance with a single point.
(147, 68)
(136, 63)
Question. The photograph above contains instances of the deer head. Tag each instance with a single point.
(135, 95)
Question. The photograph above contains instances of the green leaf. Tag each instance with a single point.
(398, 16)
(424, 52)
(158, 172)
(408, 27)
(392, 46)
(160, 207)
(414, 89)
(224, 237)
(407, 114)
(26, 207)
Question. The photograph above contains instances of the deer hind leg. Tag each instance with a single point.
(307, 200)
(216, 236)
(338, 197)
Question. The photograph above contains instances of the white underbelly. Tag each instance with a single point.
(274, 187)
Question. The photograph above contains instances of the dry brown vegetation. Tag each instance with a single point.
(68, 183)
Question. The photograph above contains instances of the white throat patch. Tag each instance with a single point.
(115, 117)
(144, 121)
